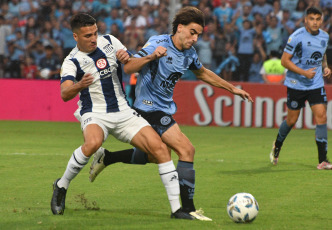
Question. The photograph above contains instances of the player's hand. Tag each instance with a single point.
(122, 56)
(86, 80)
(243, 94)
(310, 73)
(159, 52)
(327, 72)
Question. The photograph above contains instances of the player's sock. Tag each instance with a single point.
(282, 134)
(187, 184)
(169, 177)
(77, 161)
(128, 156)
(321, 141)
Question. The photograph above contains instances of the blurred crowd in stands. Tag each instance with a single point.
(35, 35)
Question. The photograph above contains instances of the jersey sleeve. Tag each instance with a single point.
(116, 43)
(68, 70)
(148, 48)
(196, 64)
(291, 44)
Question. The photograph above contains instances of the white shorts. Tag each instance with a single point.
(123, 125)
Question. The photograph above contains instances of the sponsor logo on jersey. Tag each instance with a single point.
(146, 102)
(316, 59)
(169, 60)
(104, 72)
(162, 40)
(165, 120)
(101, 63)
(170, 82)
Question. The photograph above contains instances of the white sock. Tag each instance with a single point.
(77, 161)
(170, 179)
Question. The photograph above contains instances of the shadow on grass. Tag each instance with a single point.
(282, 167)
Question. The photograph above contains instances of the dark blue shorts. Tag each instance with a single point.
(159, 120)
(296, 98)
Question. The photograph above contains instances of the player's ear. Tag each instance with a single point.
(75, 36)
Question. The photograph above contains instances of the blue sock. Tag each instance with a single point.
(282, 134)
(321, 141)
(187, 184)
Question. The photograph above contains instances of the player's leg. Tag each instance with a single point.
(178, 141)
(284, 129)
(295, 101)
(93, 139)
(148, 141)
(319, 111)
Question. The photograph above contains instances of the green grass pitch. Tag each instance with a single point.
(292, 195)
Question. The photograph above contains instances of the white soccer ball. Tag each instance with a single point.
(44, 73)
(242, 208)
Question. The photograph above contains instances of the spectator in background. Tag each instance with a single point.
(28, 8)
(14, 8)
(29, 68)
(229, 64)
(219, 44)
(272, 71)
(13, 59)
(50, 62)
(4, 11)
(262, 7)
(204, 49)
(31, 27)
(298, 14)
(101, 8)
(223, 13)
(288, 4)
(276, 32)
(67, 39)
(114, 18)
(277, 10)
(257, 61)
(140, 21)
(5, 31)
(83, 6)
(245, 49)
(245, 14)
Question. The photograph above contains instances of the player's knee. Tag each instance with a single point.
(187, 152)
(92, 146)
(160, 153)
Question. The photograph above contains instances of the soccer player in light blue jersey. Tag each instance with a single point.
(92, 70)
(161, 63)
(304, 57)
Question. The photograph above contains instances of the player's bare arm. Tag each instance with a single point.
(69, 89)
(211, 78)
(326, 69)
(136, 64)
(122, 56)
(288, 64)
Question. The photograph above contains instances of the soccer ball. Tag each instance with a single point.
(242, 208)
(44, 73)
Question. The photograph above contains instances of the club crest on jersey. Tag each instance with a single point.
(165, 120)
(294, 104)
(101, 63)
(108, 48)
(169, 60)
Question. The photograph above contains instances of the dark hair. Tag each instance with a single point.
(187, 15)
(313, 10)
(81, 20)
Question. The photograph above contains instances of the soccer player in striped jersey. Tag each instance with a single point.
(304, 57)
(161, 63)
(92, 70)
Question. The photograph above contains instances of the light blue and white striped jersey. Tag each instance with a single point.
(106, 93)
(308, 51)
(157, 79)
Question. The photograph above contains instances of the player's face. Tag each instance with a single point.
(313, 23)
(188, 34)
(86, 38)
